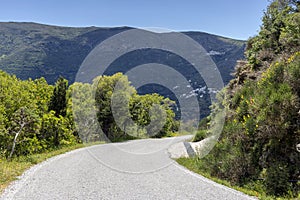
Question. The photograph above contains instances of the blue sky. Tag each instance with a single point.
(237, 19)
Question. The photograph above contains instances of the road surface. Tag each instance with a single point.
(139, 169)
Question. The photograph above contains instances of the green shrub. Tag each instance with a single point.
(277, 179)
(200, 135)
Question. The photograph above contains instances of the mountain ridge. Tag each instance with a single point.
(33, 50)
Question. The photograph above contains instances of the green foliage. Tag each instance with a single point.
(25, 122)
(145, 115)
(262, 126)
(26, 126)
(202, 131)
(200, 135)
(36, 117)
(58, 101)
(55, 131)
(31, 50)
(260, 135)
(277, 179)
(266, 129)
(81, 111)
(290, 34)
(279, 34)
(104, 90)
(254, 188)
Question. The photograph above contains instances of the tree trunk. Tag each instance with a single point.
(15, 141)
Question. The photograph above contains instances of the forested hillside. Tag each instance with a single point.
(31, 50)
(257, 148)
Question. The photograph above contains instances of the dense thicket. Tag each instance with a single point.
(103, 112)
(37, 117)
(27, 125)
(262, 127)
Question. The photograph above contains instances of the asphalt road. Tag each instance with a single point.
(139, 169)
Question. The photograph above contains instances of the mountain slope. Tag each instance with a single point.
(31, 50)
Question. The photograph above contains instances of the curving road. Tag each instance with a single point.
(139, 169)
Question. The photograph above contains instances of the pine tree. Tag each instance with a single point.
(58, 101)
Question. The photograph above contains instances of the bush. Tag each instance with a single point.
(261, 131)
(277, 179)
(26, 126)
(262, 124)
(200, 135)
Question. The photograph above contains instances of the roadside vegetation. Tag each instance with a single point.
(257, 149)
(36, 117)
(38, 120)
(256, 152)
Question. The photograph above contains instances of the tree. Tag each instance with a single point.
(58, 101)
(153, 114)
(104, 89)
(26, 126)
(122, 113)
(82, 110)
(3, 131)
(279, 34)
(56, 131)
(23, 122)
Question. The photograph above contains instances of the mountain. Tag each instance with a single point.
(31, 50)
